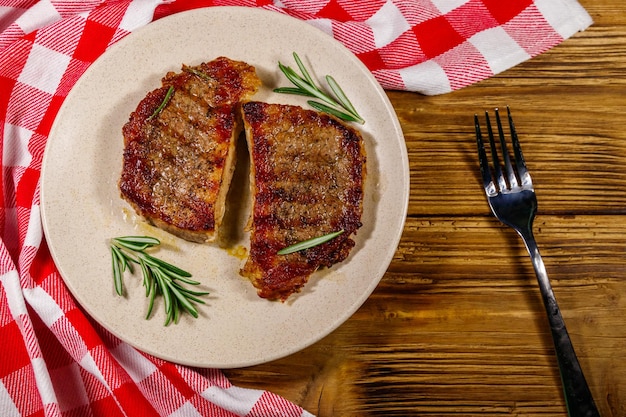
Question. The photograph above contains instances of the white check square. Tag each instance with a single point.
(44, 69)
(387, 24)
(15, 151)
(499, 49)
(445, 6)
(427, 77)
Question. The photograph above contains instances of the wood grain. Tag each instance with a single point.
(456, 326)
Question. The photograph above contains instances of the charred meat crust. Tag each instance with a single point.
(177, 163)
(308, 173)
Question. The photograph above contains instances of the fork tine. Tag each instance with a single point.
(483, 160)
(510, 174)
(522, 171)
(494, 156)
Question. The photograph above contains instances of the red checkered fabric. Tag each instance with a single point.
(55, 360)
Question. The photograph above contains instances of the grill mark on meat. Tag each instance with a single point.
(178, 164)
(307, 173)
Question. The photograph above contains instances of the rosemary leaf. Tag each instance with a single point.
(326, 109)
(190, 293)
(117, 274)
(167, 295)
(121, 259)
(309, 243)
(148, 279)
(197, 73)
(184, 302)
(148, 240)
(167, 98)
(175, 317)
(308, 89)
(152, 291)
(161, 264)
(191, 297)
(178, 277)
(187, 290)
(136, 243)
(303, 69)
(291, 90)
(345, 101)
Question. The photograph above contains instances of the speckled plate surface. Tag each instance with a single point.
(82, 210)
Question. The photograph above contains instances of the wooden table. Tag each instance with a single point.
(456, 326)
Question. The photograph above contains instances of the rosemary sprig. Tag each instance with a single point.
(198, 74)
(166, 100)
(159, 277)
(309, 243)
(339, 105)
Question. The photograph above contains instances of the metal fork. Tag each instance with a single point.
(512, 200)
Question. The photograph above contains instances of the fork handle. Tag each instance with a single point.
(578, 397)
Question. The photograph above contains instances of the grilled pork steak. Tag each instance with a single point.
(179, 148)
(307, 177)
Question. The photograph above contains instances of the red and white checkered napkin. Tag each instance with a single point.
(55, 360)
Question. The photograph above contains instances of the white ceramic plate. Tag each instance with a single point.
(82, 209)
